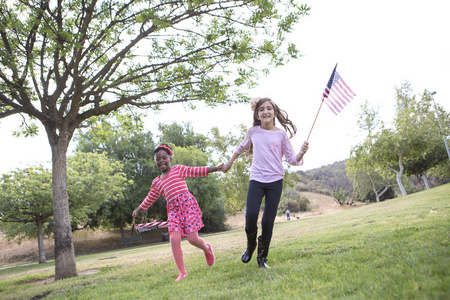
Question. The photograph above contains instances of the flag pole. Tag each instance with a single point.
(317, 113)
(321, 102)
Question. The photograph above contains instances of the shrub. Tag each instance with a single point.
(293, 201)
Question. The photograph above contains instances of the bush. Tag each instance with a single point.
(340, 197)
(304, 204)
(294, 202)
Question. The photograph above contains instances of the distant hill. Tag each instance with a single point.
(333, 177)
(325, 180)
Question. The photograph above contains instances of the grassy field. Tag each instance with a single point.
(397, 249)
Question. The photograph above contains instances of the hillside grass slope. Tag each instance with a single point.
(397, 249)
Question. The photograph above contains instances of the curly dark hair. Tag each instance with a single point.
(164, 147)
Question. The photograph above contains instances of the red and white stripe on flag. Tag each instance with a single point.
(337, 93)
(143, 227)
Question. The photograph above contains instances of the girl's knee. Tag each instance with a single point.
(192, 238)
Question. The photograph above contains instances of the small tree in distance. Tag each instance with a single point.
(26, 209)
(26, 205)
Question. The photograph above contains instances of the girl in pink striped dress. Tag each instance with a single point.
(184, 214)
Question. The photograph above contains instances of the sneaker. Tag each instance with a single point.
(210, 256)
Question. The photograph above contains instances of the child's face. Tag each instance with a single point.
(163, 160)
(266, 113)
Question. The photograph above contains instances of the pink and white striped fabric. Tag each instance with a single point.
(173, 184)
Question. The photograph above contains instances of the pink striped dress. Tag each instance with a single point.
(183, 213)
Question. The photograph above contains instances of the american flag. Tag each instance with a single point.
(140, 228)
(337, 93)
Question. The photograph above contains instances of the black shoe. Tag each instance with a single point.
(263, 251)
(251, 246)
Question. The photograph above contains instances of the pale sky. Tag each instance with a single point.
(378, 45)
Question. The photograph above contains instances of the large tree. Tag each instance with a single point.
(414, 137)
(63, 62)
(361, 167)
(363, 175)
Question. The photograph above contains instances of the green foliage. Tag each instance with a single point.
(127, 143)
(26, 208)
(182, 135)
(135, 149)
(191, 51)
(325, 180)
(290, 179)
(235, 182)
(340, 196)
(442, 170)
(92, 179)
(292, 200)
(25, 202)
(411, 147)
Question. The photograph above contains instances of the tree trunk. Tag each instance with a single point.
(378, 195)
(399, 176)
(65, 266)
(400, 184)
(41, 249)
(122, 231)
(425, 181)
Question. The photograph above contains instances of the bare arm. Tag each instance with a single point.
(228, 165)
(215, 169)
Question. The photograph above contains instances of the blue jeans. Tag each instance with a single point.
(272, 193)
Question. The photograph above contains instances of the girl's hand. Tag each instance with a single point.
(226, 167)
(220, 167)
(304, 148)
(136, 212)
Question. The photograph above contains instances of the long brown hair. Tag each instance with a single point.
(282, 117)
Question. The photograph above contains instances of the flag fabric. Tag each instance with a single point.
(337, 93)
(140, 228)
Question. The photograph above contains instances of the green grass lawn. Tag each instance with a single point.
(397, 249)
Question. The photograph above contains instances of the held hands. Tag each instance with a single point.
(226, 167)
(220, 167)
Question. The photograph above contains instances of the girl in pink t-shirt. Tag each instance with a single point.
(267, 144)
(183, 213)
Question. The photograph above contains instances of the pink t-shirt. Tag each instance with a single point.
(268, 150)
(173, 184)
